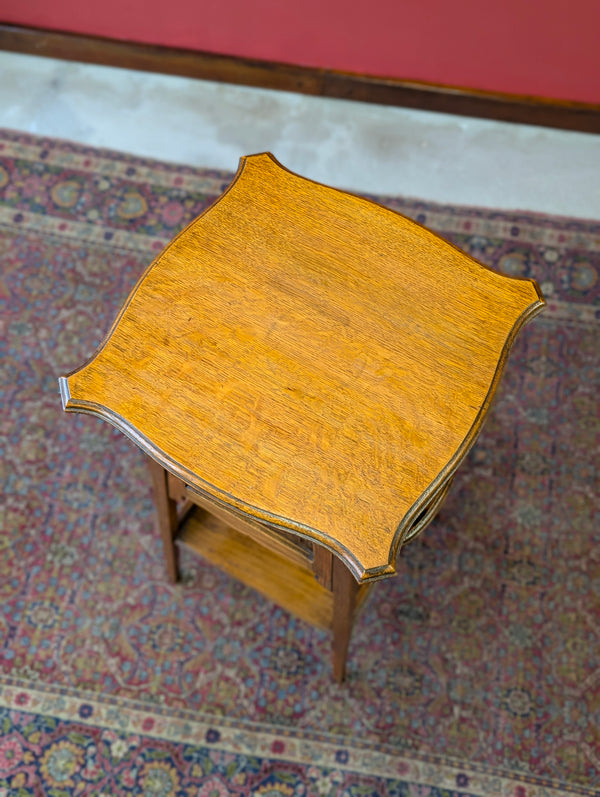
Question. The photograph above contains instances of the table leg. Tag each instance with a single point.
(345, 589)
(166, 509)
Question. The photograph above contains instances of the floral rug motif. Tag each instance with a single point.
(479, 661)
(73, 743)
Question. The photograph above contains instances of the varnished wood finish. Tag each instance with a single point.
(287, 583)
(306, 370)
(176, 488)
(167, 516)
(314, 587)
(309, 359)
(558, 113)
(428, 513)
(345, 591)
(323, 566)
(259, 532)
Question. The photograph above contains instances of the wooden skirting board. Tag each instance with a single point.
(584, 117)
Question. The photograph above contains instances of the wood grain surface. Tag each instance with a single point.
(310, 358)
(287, 583)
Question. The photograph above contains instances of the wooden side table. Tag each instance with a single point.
(306, 370)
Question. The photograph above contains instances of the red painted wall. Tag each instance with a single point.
(547, 48)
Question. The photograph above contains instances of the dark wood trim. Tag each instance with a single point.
(563, 114)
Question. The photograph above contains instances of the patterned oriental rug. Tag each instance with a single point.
(475, 672)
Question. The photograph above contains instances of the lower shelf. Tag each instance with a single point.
(286, 583)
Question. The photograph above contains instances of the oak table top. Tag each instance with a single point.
(310, 359)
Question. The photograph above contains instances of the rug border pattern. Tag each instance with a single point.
(272, 742)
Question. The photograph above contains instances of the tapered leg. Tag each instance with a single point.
(345, 589)
(166, 510)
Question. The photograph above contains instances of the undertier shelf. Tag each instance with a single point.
(286, 583)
